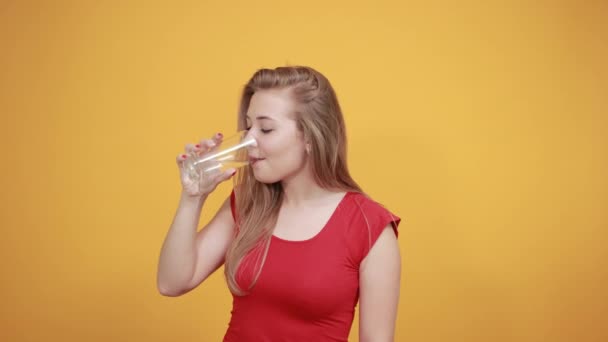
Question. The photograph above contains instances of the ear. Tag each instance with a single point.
(307, 144)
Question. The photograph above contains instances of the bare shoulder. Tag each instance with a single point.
(385, 250)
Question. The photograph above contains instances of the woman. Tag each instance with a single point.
(300, 241)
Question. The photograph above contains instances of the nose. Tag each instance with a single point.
(254, 141)
(249, 134)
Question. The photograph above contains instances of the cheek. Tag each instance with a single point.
(283, 150)
(291, 158)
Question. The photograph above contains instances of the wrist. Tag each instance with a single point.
(188, 199)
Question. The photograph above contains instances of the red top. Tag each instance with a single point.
(308, 290)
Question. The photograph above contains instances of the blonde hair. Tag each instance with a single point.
(319, 118)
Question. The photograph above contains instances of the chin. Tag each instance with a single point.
(266, 180)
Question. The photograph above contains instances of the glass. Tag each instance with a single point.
(231, 152)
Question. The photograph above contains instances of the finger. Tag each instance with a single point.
(226, 175)
(217, 138)
(207, 144)
(198, 149)
(214, 180)
(220, 177)
(180, 159)
(189, 148)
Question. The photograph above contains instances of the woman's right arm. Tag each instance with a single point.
(188, 257)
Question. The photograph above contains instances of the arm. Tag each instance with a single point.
(187, 258)
(379, 283)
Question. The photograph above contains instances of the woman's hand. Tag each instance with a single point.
(203, 185)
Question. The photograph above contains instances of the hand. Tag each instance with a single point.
(204, 185)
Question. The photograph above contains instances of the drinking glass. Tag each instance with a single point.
(231, 152)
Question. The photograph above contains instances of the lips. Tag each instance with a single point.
(254, 160)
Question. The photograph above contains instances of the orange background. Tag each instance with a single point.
(482, 124)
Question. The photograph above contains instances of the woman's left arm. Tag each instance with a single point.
(379, 284)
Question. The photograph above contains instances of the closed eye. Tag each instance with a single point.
(265, 131)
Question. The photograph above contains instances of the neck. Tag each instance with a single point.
(300, 190)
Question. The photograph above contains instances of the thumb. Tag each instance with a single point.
(227, 174)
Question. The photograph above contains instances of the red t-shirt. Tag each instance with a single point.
(307, 290)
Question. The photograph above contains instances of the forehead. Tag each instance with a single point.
(271, 104)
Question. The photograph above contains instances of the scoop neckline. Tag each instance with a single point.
(325, 226)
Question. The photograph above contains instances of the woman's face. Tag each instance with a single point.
(281, 151)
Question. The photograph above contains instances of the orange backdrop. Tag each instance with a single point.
(483, 124)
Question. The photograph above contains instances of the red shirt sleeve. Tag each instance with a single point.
(367, 223)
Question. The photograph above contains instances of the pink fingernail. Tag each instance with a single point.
(220, 135)
(184, 156)
(197, 146)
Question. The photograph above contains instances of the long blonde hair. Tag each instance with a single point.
(319, 118)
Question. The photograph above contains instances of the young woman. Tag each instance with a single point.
(300, 241)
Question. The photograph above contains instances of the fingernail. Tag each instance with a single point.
(184, 156)
(219, 135)
(197, 145)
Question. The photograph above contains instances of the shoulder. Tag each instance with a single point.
(365, 220)
(375, 214)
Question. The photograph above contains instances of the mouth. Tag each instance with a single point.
(253, 160)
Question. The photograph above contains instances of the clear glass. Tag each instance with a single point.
(231, 152)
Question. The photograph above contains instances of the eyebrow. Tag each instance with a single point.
(261, 117)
